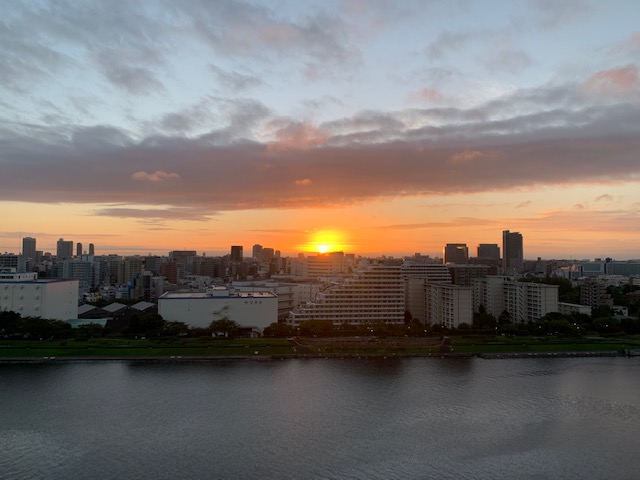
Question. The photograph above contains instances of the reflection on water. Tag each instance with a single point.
(324, 419)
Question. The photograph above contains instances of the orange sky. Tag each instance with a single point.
(575, 222)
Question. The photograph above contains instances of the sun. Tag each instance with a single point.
(326, 241)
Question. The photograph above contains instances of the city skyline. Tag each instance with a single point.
(371, 128)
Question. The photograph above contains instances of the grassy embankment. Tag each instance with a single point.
(99, 347)
(209, 347)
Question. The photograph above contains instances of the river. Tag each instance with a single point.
(418, 418)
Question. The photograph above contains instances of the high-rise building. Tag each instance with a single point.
(183, 260)
(448, 305)
(78, 250)
(92, 249)
(489, 251)
(267, 254)
(29, 248)
(64, 249)
(464, 275)
(456, 253)
(512, 250)
(416, 277)
(257, 251)
(236, 253)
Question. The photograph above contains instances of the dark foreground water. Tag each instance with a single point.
(323, 419)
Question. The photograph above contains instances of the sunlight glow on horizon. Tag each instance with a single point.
(326, 241)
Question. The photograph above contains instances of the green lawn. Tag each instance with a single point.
(159, 347)
(206, 346)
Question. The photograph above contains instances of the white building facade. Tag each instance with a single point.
(25, 294)
(524, 301)
(375, 294)
(448, 305)
(257, 309)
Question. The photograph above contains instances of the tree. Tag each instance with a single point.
(175, 329)
(224, 328)
(319, 328)
(43, 328)
(10, 323)
(89, 330)
(504, 318)
(602, 311)
(278, 330)
(146, 324)
(483, 320)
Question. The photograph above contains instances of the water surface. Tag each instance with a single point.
(323, 419)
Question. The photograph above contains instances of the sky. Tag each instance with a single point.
(372, 127)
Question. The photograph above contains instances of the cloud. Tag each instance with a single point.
(235, 29)
(551, 14)
(252, 158)
(157, 176)
(153, 215)
(604, 198)
(524, 204)
(304, 182)
(468, 156)
(617, 81)
(508, 60)
(234, 81)
(127, 74)
(448, 42)
(297, 136)
(429, 94)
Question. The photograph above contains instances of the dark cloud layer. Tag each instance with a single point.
(307, 166)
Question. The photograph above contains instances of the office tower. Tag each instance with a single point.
(29, 248)
(64, 249)
(78, 249)
(267, 254)
(512, 250)
(92, 249)
(236, 253)
(257, 251)
(456, 253)
(489, 250)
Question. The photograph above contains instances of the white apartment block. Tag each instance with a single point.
(448, 305)
(375, 294)
(416, 276)
(321, 265)
(25, 294)
(525, 301)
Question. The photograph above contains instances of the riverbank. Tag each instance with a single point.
(182, 350)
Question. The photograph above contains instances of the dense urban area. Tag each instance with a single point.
(77, 294)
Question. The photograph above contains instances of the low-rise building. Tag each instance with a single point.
(248, 309)
(569, 308)
(29, 296)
